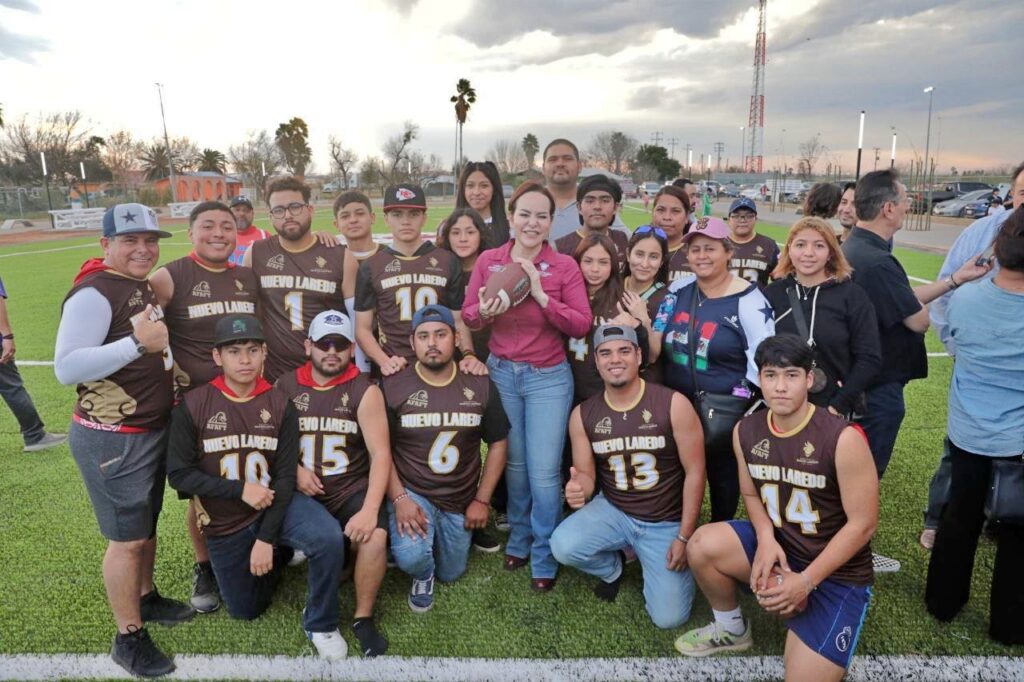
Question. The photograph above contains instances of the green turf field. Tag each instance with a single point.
(53, 599)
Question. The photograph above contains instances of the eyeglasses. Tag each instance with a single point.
(335, 344)
(744, 217)
(294, 209)
(644, 229)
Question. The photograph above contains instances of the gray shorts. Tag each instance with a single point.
(124, 474)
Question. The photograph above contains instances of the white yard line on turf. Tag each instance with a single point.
(90, 245)
(865, 668)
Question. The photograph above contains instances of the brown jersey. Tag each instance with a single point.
(202, 296)
(396, 286)
(638, 465)
(569, 242)
(653, 373)
(677, 264)
(436, 431)
(755, 260)
(138, 396)
(294, 288)
(795, 474)
(237, 440)
(586, 381)
(331, 444)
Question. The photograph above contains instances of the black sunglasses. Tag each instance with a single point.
(335, 343)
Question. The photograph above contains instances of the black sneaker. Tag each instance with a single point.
(168, 612)
(483, 542)
(205, 593)
(136, 653)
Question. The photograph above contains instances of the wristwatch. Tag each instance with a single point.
(139, 346)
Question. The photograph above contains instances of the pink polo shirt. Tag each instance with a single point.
(529, 333)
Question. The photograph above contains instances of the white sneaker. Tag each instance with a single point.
(884, 564)
(330, 645)
(297, 558)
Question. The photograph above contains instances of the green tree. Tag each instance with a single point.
(293, 140)
(530, 147)
(656, 158)
(211, 160)
(154, 161)
(464, 98)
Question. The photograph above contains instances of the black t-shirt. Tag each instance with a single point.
(878, 272)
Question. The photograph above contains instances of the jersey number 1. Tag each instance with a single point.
(798, 511)
(408, 303)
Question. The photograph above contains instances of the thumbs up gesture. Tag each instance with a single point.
(574, 495)
(151, 333)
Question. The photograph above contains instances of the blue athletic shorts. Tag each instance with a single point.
(835, 613)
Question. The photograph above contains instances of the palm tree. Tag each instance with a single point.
(211, 160)
(154, 161)
(464, 96)
(530, 147)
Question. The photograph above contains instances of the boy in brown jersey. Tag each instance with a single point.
(754, 256)
(195, 292)
(810, 487)
(640, 444)
(598, 200)
(438, 415)
(346, 456)
(234, 446)
(402, 278)
(300, 275)
(354, 218)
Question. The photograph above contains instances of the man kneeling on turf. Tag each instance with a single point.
(234, 446)
(438, 415)
(645, 442)
(346, 457)
(810, 487)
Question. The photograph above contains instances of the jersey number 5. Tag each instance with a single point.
(333, 460)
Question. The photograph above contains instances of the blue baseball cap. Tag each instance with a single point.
(433, 313)
(131, 219)
(743, 202)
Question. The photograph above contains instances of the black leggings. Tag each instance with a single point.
(723, 481)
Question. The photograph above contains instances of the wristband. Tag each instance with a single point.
(486, 504)
(468, 354)
(8, 337)
(808, 581)
(952, 283)
(399, 498)
(682, 538)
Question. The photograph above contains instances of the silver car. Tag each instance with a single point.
(955, 207)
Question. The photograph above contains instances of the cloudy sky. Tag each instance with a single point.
(357, 69)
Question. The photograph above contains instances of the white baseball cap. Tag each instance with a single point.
(331, 323)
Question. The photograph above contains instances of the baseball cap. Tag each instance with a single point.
(742, 202)
(234, 328)
(433, 313)
(614, 332)
(404, 195)
(239, 200)
(131, 219)
(331, 323)
(713, 228)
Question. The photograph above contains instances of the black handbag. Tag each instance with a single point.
(718, 412)
(1005, 500)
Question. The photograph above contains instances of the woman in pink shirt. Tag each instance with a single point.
(529, 367)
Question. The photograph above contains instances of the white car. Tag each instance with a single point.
(651, 188)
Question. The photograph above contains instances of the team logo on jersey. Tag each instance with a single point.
(759, 250)
(808, 457)
(136, 299)
(433, 262)
(762, 449)
(393, 266)
(276, 262)
(239, 285)
(603, 427)
(265, 415)
(301, 402)
(843, 639)
(468, 392)
(418, 399)
(218, 422)
(647, 416)
(321, 261)
(201, 290)
(344, 399)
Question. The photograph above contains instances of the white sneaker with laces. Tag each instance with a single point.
(330, 645)
(297, 558)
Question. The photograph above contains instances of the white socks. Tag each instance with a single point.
(730, 621)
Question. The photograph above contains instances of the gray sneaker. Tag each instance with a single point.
(712, 639)
(205, 593)
(49, 440)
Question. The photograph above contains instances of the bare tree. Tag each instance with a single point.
(343, 160)
(508, 156)
(121, 155)
(257, 153)
(810, 151)
(395, 164)
(370, 174)
(611, 149)
(58, 135)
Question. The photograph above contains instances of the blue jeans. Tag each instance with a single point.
(307, 526)
(590, 538)
(881, 421)
(12, 389)
(445, 550)
(537, 401)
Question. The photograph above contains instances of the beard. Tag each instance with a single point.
(435, 362)
(295, 230)
(329, 371)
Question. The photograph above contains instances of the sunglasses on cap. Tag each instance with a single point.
(644, 229)
(337, 343)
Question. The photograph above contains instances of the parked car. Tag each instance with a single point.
(955, 207)
(976, 209)
(731, 190)
(629, 188)
(330, 187)
(651, 188)
(919, 200)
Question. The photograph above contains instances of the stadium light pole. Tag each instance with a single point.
(46, 183)
(743, 145)
(892, 156)
(167, 143)
(81, 166)
(860, 144)
(930, 91)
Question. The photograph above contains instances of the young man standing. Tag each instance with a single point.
(403, 278)
(846, 214)
(754, 255)
(354, 218)
(246, 232)
(438, 415)
(561, 167)
(346, 456)
(299, 275)
(195, 292)
(113, 343)
(597, 199)
(643, 443)
(811, 491)
(234, 447)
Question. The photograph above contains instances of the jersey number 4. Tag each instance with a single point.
(645, 472)
(798, 511)
(333, 459)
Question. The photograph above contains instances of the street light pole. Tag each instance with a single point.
(743, 149)
(46, 182)
(167, 144)
(930, 91)
(892, 157)
(81, 165)
(860, 144)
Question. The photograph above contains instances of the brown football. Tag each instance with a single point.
(509, 282)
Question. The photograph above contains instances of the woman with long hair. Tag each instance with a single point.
(480, 189)
(672, 209)
(644, 285)
(814, 298)
(529, 368)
